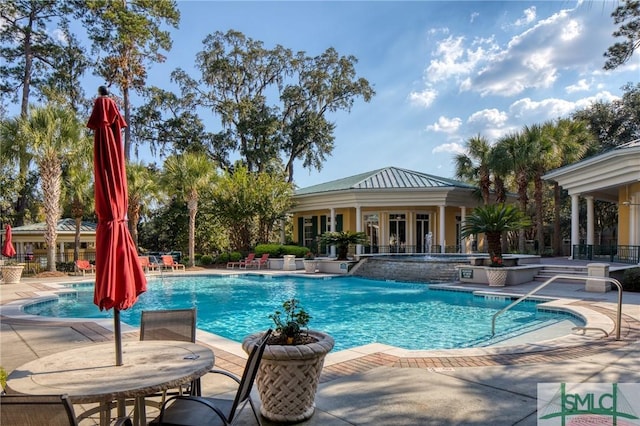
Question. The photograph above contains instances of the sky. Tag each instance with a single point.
(443, 71)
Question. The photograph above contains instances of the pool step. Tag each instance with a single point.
(551, 271)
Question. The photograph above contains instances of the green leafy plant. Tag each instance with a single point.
(291, 323)
(309, 256)
(493, 220)
(342, 240)
(3, 378)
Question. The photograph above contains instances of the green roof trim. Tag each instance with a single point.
(386, 178)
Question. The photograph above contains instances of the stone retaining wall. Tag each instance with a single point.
(425, 271)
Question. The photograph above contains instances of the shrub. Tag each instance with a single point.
(234, 256)
(206, 260)
(631, 280)
(279, 250)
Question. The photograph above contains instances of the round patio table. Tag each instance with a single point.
(89, 374)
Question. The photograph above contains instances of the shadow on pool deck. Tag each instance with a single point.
(380, 385)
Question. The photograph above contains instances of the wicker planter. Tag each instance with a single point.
(288, 377)
(497, 277)
(11, 274)
(310, 266)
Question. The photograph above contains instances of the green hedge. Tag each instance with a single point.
(279, 250)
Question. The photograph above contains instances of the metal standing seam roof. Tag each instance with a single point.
(386, 178)
(67, 225)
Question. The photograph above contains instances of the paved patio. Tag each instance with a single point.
(382, 385)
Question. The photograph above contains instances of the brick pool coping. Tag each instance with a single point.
(359, 360)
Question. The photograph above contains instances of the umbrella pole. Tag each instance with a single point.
(118, 337)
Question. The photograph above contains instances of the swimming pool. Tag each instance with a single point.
(354, 311)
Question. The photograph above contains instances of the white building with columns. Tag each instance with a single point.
(614, 177)
(400, 211)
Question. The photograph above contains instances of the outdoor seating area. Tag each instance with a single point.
(251, 262)
(169, 263)
(84, 266)
(147, 265)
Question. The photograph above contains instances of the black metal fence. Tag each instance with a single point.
(607, 253)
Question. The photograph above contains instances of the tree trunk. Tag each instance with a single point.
(192, 205)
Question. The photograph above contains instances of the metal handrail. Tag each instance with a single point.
(565, 277)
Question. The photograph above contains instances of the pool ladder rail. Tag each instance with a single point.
(568, 277)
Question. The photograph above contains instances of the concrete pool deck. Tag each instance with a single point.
(378, 384)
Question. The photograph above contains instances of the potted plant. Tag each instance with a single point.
(310, 264)
(342, 240)
(493, 220)
(12, 272)
(290, 369)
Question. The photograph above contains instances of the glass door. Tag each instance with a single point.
(424, 240)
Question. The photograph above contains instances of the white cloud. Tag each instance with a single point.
(581, 86)
(445, 125)
(538, 56)
(454, 147)
(553, 108)
(474, 15)
(489, 117)
(424, 98)
(529, 16)
(452, 59)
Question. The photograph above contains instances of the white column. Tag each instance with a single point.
(575, 222)
(442, 228)
(332, 228)
(358, 227)
(464, 242)
(590, 227)
(61, 252)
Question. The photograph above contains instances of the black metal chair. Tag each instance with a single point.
(171, 324)
(198, 410)
(38, 410)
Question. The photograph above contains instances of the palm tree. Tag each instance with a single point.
(187, 174)
(142, 190)
(342, 240)
(53, 134)
(572, 140)
(516, 154)
(493, 220)
(474, 165)
(79, 186)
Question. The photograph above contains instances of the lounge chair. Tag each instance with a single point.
(197, 410)
(84, 266)
(259, 263)
(147, 265)
(168, 262)
(50, 410)
(243, 262)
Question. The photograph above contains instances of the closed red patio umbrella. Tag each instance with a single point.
(7, 247)
(119, 276)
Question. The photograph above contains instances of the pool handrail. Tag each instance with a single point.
(565, 277)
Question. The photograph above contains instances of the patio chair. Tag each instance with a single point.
(171, 324)
(197, 410)
(247, 261)
(250, 257)
(147, 265)
(84, 266)
(38, 410)
(259, 263)
(168, 262)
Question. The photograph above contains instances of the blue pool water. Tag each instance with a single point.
(354, 311)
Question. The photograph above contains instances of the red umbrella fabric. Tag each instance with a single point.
(119, 276)
(7, 248)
